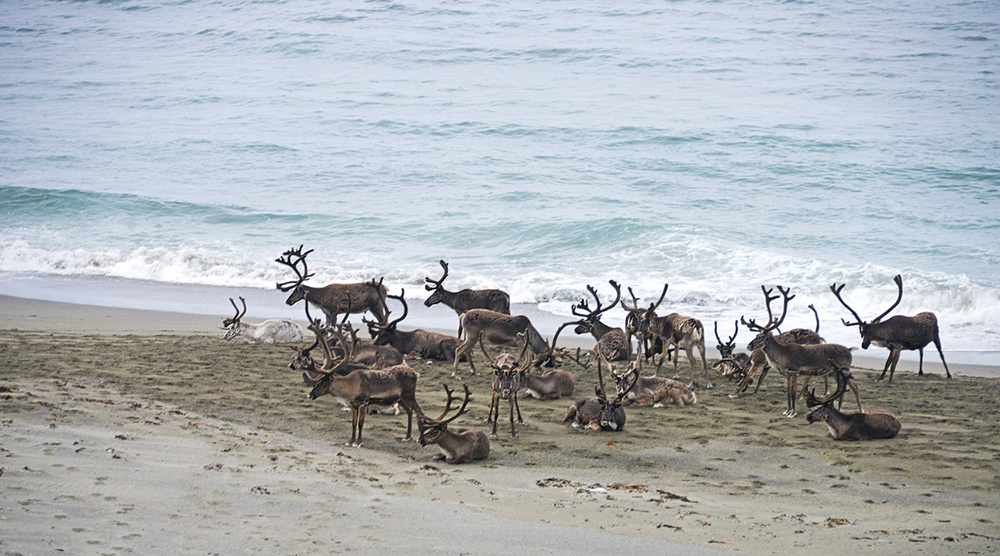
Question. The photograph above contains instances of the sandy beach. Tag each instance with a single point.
(127, 431)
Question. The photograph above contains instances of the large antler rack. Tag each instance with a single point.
(771, 322)
(286, 259)
(859, 322)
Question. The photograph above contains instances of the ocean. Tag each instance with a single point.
(163, 154)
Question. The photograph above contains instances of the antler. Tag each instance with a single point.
(236, 319)
(836, 291)
(771, 322)
(899, 283)
(437, 283)
(286, 259)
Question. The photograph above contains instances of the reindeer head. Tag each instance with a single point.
(435, 286)
(726, 348)
(292, 258)
(864, 327)
(432, 429)
(232, 324)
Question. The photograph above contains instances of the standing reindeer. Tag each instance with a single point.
(897, 333)
(462, 301)
(508, 374)
(479, 325)
(428, 345)
(853, 426)
(362, 388)
(612, 341)
(459, 446)
(686, 333)
(333, 299)
(271, 331)
(795, 360)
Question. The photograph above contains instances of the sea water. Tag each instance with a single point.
(149, 150)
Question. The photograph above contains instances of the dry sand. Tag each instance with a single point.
(135, 433)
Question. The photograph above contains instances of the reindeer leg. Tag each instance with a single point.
(513, 432)
(937, 344)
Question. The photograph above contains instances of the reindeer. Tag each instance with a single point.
(462, 301)
(650, 390)
(853, 426)
(428, 345)
(508, 373)
(598, 413)
(613, 341)
(795, 360)
(271, 331)
(897, 333)
(756, 362)
(648, 345)
(459, 446)
(364, 356)
(333, 299)
(362, 388)
(686, 333)
(551, 385)
(497, 328)
(731, 365)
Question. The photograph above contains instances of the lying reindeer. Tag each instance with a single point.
(850, 426)
(271, 331)
(362, 388)
(551, 385)
(459, 446)
(424, 344)
(598, 413)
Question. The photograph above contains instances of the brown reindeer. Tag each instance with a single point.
(483, 325)
(686, 333)
(853, 426)
(795, 360)
(363, 388)
(457, 446)
(424, 344)
(599, 413)
(897, 333)
(613, 341)
(508, 375)
(334, 299)
(462, 301)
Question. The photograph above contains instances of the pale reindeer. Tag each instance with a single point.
(897, 333)
(457, 446)
(686, 333)
(424, 344)
(271, 331)
(363, 388)
(649, 390)
(483, 325)
(462, 301)
(508, 374)
(796, 360)
(850, 426)
(333, 299)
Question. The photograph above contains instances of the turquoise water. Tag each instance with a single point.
(537, 146)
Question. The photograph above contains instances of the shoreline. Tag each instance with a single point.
(37, 314)
(174, 440)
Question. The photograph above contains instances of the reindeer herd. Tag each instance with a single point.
(363, 376)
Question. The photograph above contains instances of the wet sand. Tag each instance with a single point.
(125, 432)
